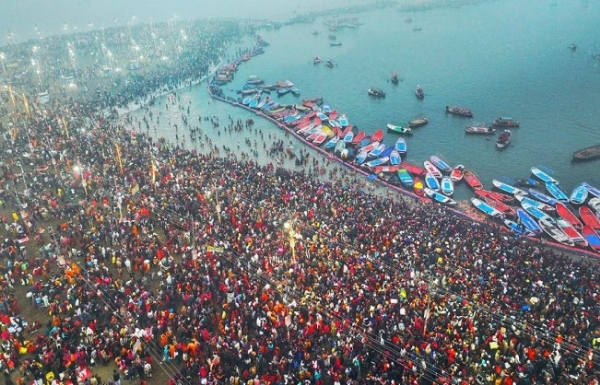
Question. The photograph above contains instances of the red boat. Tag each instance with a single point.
(377, 136)
(358, 137)
(494, 195)
(472, 180)
(588, 217)
(500, 206)
(413, 169)
(346, 131)
(333, 115)
(392, 168)
(564, 212)
(457, 173)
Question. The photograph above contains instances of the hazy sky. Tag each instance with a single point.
(50, 16)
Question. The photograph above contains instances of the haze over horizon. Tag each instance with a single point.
(21, 17)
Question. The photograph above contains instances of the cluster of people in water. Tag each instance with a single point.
(184, 266)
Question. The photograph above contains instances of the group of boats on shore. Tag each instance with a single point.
(519, 205)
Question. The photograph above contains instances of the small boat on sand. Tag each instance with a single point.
(517, 228)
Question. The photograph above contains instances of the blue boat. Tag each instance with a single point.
(405, 177)
(326, 108)
(292, 118)
(295, 91)
(527, 221)
(556, 192)
(440, 198)
(361, 157)
(395, 158)
(538, 214)
(540, 205)
(377, 150)
(440, 164)
(331, 143)
(432, 182)
(283, 91)
(254, 103)
(349, 136)
(517, 228)
(364, 142)
(322, 116)
(400, 146)
(343, 121)
(543, 176)
(247, 100)
(591, 189)
(540, 196)
(377, 162)
(386, 152)
(486, 208)
(579, 195)
(592, 237)
(508, 188)
(447, 186)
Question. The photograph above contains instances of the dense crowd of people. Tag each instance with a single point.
(214, 270)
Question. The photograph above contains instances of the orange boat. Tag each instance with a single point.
(588, 217)
(358, 137)
(566, 214)
(472, 180)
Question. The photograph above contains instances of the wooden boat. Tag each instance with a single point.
(540, 205)
(358, 137)
(401, 146)
(432, 182)
(506, 122)
(405, 177)
(413, 168)
(418, 122)
(457, 173)
(419, 93)
(591, 189)
(377, 162)
(377, 150)
(447, 186)
(540, 196)
(507, 188)
(588, 153)
(563, 211)
(395, 158)
(504, 139)
(505, 209)
(399, 129)
(555, 233)
(440, 198)
(460, 111)
(592, 237)
(418, 187)
(386, 169)
(556, 192)
(472, 180)
(494, 195)
(480, 130)
(440, 164)
(588, 217)
(571, 232)
(517, 228)
(377, 135)
(579, 195)
(430, 167)
(486, 208)
(376, 92)
(361, 157)
(543, 176)
(526, 220)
